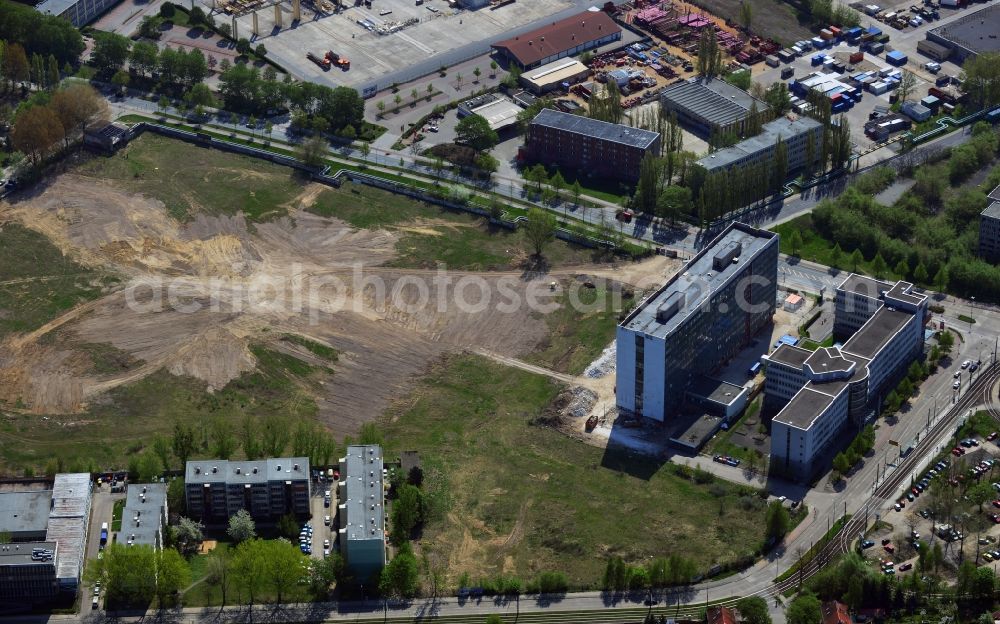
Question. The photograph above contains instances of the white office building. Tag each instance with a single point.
(820, 394)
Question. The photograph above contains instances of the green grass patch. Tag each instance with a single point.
(189, 179)
(123, 422)
(116, 515)
(966, 318)
(318, 349)
(580, 329)
(434, 235)
(38, 282)
(507, 493)
(811, 345)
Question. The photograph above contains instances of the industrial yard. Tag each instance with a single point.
(379, 37)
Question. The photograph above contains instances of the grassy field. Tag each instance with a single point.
(507, 495)
(458, 240)
(579, 334)
(38, 283)
(123, 422)
(187, 178)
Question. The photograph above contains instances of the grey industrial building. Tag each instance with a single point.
(268, 489)
(970, 35)
(709, 311)
(819, 395)
(590, 146)
(78, 12)
(989, 228)
(55, 521)
(361, 492)
(792, 129)
(145, 515)
(707, 105)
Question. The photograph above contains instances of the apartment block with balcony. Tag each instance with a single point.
(267, 489)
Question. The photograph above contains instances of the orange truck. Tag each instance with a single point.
(341, 61)
(322, 62)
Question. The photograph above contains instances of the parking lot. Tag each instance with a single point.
(321, 529)
(439, 29)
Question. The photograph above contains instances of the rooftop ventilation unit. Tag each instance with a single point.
(237, 471)
(214, 470)
(671, 305)
(725, 257)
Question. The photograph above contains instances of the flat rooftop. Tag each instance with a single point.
(864, 285)
(713, 99)
(715, 390)
(784, 128)
(499, 113)
(692, 286)
(994, 194)
(555, 72)
(992, 210)
(364, 489)
(829, 360)
(874, 334)
(25, 512)
(805, 407)
(54, 7)
(260, 471)
(577, 124)
(694, 430)
(20, 554)
(899, 291)
(143, 513)
(787, 354)
(978, 31)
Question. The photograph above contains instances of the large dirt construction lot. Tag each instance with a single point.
(197, 295)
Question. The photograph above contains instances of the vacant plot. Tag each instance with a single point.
(508, 495)
(318, 278)
(192, 180)
(38, 282)
(771, 18)
(124, 421)
(431, 236)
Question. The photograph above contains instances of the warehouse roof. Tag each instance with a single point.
(976, 31)
(713, 99)
(555, 72)
(499, 114)
(68, 520)
(24, 512)
(616, 133)
(783, 127)
(559, 37)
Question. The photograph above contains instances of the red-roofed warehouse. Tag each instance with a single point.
(566, 37)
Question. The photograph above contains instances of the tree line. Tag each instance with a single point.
(38, 33)
(55, 118)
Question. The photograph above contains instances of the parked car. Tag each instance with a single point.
(906, 566)
(966, 364)
(867, 543)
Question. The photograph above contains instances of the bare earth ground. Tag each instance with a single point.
(196, 294)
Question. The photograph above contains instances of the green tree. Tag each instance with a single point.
(836, 256)
(162, 449)
(286, 565)
(371, 434)
(779, 166)
(124, 574)
(879, 266)
(981, 80)
(401, 577)
(648, 188)
(146, 468)
(902, 268)
(248, 569)
(243, 46)
(407, 512)
(217, 572)
(121, 80)
(312, 151)
(856, 260)
(795, 242)
(673, 203)
(223, 441)
(920, 273)
(979, 494)
(754, 610)
(493, 618)
(188, 534)
(183, 442)
(260, 51)
(110, 52)
(805, 609)
(475, 131)
(776, 521)
(51, 72)
(365, 148)
(841, 463)
(241, 526)
(172, 575)
(540, 229)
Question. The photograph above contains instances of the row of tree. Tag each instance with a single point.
(38, 33)
(861, 444)
(17, 68)
(660, 572)
(40, 128)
